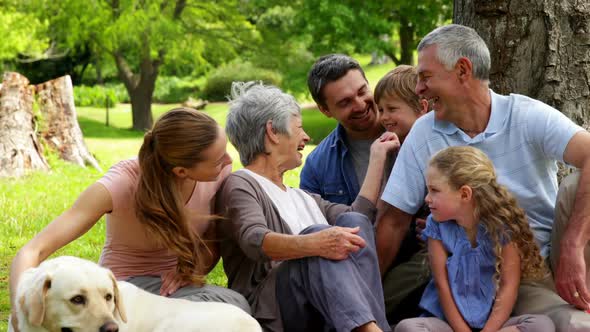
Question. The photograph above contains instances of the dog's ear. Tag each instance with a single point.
(119, 307)
(33, 300)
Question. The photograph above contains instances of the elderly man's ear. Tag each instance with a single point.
(464, 69)
(424, 107)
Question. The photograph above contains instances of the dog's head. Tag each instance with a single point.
(69, 294)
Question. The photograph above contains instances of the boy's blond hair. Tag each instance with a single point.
(400, 82)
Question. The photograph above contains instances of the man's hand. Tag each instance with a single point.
(570, 277)
(171, 282)
(338, 242)
(420, 226)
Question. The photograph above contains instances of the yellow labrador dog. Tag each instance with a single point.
(149, 312)
(69, 294)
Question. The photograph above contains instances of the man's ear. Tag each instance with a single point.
(325, 110)
(464, 69)
(271, 133)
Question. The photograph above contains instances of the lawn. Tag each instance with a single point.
(29, 203)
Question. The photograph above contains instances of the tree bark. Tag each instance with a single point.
(20, 150)
(140, 88)
(407, 42)
(62, 131)
(539, 48)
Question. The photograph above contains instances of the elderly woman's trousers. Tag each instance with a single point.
(316, 293)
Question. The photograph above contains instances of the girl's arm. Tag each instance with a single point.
(438, 262)
(508, 289)
(86, 211)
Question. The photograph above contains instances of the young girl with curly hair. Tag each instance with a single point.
(480, 246)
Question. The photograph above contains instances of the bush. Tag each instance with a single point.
(96, 96)
(218, 84)
(171, 89)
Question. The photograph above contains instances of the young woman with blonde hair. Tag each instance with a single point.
(157, 208)
(480, 246)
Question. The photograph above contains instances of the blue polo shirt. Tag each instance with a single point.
(524, 138)
(328, 170)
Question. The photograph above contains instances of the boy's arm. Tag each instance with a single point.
(508, 290)
(438, 263)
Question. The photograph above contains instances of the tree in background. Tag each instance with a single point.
(141, 36)
(294, 33)
(22, 33)
(538, 48)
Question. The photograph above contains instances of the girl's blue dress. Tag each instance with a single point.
(470, 273)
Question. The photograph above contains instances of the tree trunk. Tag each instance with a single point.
(406, 38)
(539, 48)
(61, 130)
(140, 88)
(141, 106)
(20, 151)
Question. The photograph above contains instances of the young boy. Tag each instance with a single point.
(399, 106)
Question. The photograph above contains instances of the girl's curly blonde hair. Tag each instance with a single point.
(495, 206)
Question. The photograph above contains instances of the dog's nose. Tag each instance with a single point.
(109, 327)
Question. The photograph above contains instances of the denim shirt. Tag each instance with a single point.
(328, 170)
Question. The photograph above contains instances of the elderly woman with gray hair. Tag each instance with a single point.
(303, 263)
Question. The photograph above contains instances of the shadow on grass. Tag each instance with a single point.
(96, 129)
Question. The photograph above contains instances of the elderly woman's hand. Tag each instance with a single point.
(388, 141)
(338, 242)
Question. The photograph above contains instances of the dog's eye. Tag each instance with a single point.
(78, 299)
(108, 297)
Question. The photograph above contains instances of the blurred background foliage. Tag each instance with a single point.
(127, 50)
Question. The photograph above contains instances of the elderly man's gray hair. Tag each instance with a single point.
(454, 41)
(251, 106)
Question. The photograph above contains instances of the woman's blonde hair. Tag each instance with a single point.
(495, 206)
(178, 138)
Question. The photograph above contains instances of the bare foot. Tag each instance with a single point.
(369, 327)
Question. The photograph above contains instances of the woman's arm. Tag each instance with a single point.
(508, 290)
(438, 263)
(94, 202)
(333, 243)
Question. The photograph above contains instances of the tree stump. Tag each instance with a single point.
(20, 151)
(61, 130)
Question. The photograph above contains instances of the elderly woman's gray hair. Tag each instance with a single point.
(251, 106)
(454, 41)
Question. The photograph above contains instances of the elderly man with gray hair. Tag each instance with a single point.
(303, 263)
(524, 138)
